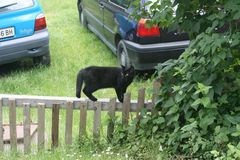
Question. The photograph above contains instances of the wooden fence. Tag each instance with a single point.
(69, 104)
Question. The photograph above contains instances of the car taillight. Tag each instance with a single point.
(144, 31)
(40, 22)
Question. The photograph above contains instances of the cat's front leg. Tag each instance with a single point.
(119, 95)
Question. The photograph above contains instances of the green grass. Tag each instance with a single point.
(72, 48)
(67, 153)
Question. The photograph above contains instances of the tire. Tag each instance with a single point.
(122, 54)
(44, 60)
(82, 18)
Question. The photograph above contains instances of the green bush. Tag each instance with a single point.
(198, 107)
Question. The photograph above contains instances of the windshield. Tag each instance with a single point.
(122, 3)
(13, 5)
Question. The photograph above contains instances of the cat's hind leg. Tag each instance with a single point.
(79, 83)
(88, 92)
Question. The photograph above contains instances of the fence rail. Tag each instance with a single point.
(69, 104)
(34, 101)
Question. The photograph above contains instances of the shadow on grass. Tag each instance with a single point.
(19, 66)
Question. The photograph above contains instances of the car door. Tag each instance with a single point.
(94, 16)
(111, 9)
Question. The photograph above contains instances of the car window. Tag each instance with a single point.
(122, 3)
(13, 5)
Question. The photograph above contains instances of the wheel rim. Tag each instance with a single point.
(123, 58)
(82, 17)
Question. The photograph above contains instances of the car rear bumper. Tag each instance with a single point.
(31, 46)
(145, 57)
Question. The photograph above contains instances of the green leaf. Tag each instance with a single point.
(223, 99)
(196, 27)
(159, 120)
(235, 42)
(122, 135)
(217, 129)
(205, 101)
(214, 153)
(232, 119)
(141, 131)
(185, 135)
(132, 129)
(218, 88)
(222, 136)
(206, 121)
(236, 16)
(236, 134)
(212, 17)
(170, 102)
(196, 102)
(189, 127)
(188, 115)
(179, 98)
(203, 88)
(215, 24)
(154, 129)
(222, 55)
(173, 119)
(176, 88)
(195, 147)
(135, 148)
(216, 60)
(185, 84)
(144, 121)
(173, 110)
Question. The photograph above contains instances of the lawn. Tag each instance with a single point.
(72, 48)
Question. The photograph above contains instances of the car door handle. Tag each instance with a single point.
(101, 5)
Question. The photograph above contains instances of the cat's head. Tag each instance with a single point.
(128, 73)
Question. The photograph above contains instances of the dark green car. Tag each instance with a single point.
(133, 42)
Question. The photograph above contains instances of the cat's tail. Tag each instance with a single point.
(79, 85)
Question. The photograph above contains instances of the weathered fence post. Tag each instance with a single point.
(111, 114)
(41, 126)
(69, 123)
(156, 87)
(26, 128)
(55, 125)
(1, 125)
(12, 121)
(126, 108)
(140, 103)
(83, 119)
(97, 120)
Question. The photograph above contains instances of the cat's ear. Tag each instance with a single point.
(131, 67)
(123, 68)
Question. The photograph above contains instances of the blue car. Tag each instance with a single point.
(23, 32)
(133, 42)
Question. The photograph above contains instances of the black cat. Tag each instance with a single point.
(96, 78)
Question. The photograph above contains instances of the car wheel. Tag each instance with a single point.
(42, 60)
(122, 54)
(82, 18)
